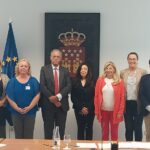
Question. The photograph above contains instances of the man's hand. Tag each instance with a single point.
(58, 104)
(53, 99)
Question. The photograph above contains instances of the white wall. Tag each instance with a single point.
(125, 27)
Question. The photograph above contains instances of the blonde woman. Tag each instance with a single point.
(109, 101)
(23, 95)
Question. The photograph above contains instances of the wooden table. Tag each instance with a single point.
(38, 144)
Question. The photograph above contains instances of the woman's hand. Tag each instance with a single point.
(119, 115)
(20, 110)
(26, 109)
(23, 110)
(84, 111)
(2, 102)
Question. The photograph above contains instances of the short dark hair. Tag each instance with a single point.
(133, 53)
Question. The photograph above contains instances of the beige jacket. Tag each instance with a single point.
(139, 73)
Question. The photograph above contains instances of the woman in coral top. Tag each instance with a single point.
(109, 101)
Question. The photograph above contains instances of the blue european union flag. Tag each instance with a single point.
(10, 57)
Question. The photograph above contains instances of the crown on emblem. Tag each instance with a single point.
(72, 38)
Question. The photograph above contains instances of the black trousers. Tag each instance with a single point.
(53, 117)
(4, 113)
(133, 121)
(85, 126)
(2, 131)
(2, 123)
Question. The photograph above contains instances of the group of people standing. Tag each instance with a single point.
(111, 98)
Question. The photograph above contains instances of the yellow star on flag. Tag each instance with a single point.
(3, 63)
(8, 59)
(15, 59)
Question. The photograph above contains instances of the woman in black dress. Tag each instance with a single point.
(82, 96)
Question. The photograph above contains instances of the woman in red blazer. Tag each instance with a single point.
(109, 101)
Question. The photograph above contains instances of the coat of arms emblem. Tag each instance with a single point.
(73, 51)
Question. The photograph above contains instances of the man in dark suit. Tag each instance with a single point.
(144, 96)
(55, 85)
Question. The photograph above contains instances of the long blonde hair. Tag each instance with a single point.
(116, 76)
(17, 66)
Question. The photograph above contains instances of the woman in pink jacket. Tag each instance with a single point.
(109, 101)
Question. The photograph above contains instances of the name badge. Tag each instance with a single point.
(27, 87)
